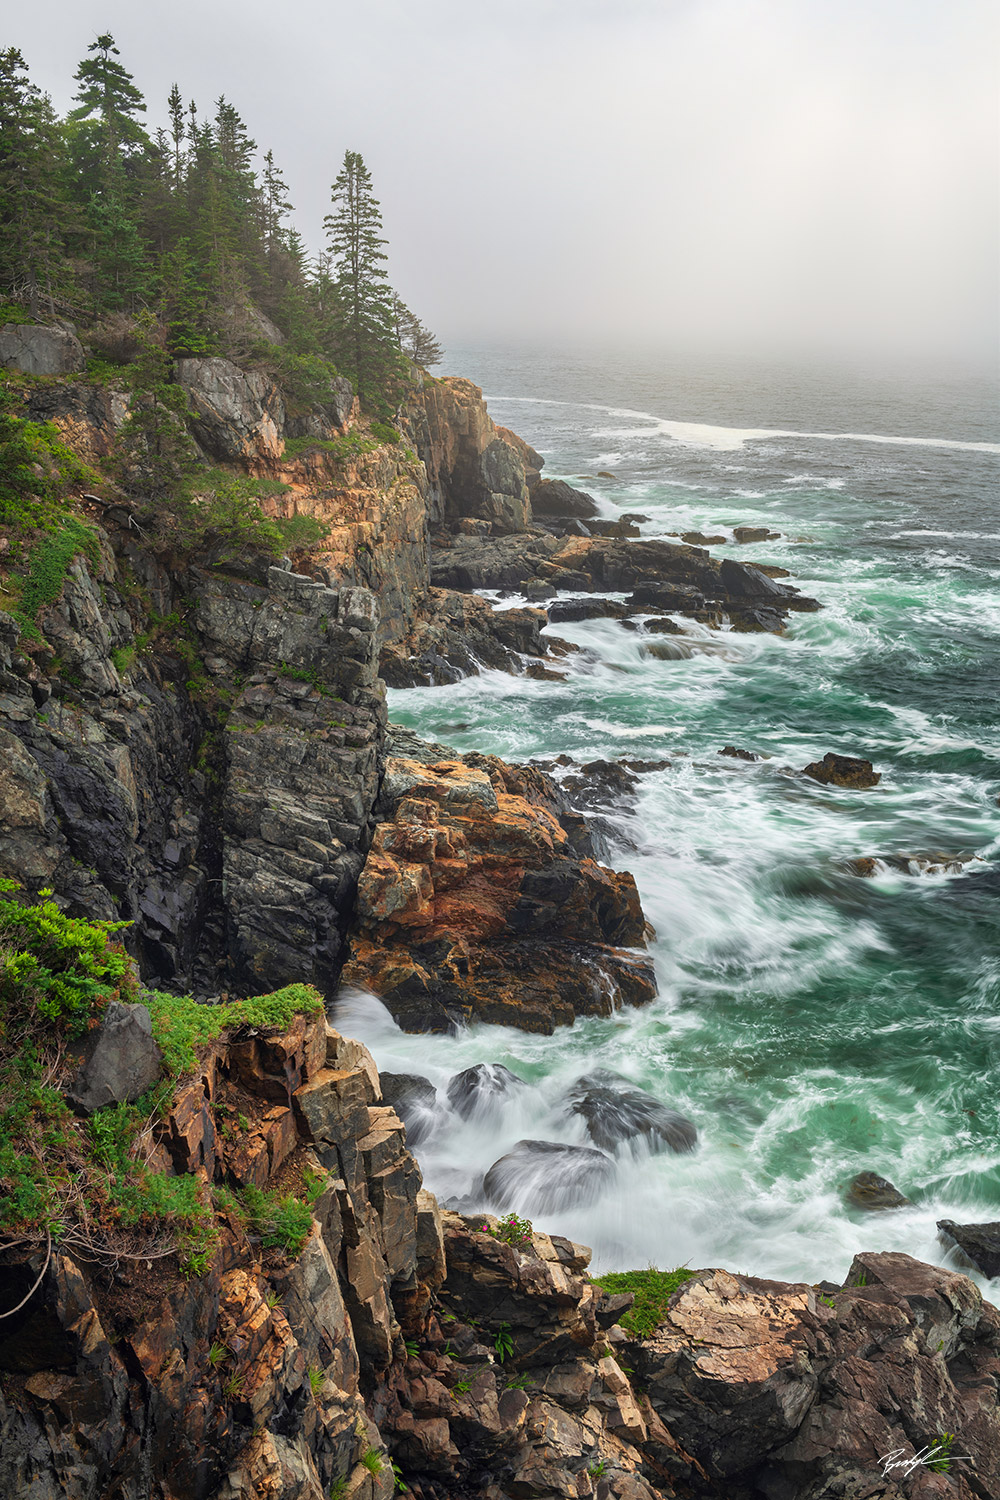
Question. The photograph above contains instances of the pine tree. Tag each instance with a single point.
(110, 148)
(106, 114)
(414, 339)
(155, 449)
(367, 349)
(35, 216)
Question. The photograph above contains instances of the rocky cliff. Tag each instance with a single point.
(201, 750)
(385, 1343)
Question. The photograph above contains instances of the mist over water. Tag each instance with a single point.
(812, 1023)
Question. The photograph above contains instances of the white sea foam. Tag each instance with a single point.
(707, 435)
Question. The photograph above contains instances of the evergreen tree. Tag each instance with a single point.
(414, 339)
(110, 148)
(155, 450)
(106, 114)
(364, 324)
(34, 214)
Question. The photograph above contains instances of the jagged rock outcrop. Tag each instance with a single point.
(473, 903)
(774, 1389)
(35, 349)
(226, 816)
(249, 1380)
(238, 415)
(89, 417)
(473, 469)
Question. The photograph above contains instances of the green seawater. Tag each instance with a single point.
(811, 1022)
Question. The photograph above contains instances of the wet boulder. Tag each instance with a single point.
(869, 1190)
(737, 753)
(616, 1113)
(667, 596)
(415, 1100)
(843, 770)
(563, 611)
(699, 539)
(538, 1177)
(979, 1243)
(482, 1087)
(746, 534)
(554, 497)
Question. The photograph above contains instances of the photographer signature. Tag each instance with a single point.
(934, 1456)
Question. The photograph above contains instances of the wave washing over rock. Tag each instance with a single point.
(204, 753)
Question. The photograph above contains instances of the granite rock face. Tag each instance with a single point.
(229, 825)
(37, 350)
(473, 903)
(473, 469)
(238, 415)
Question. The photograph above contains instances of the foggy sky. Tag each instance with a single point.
(806, 176)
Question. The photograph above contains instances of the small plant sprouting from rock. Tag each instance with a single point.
(827, 1301)
(412, 1348)
(338, 1488)
(503, 1343)
(397, 1475)
(517, 1382)
(372, 1460)
(511, 1230)
(272, 1299)
(598, 1470)
(217, 1354)
(939, 1456)
(317, 1380)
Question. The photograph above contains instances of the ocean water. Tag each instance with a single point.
(812, 1023)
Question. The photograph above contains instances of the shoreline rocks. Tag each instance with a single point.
(475, 904)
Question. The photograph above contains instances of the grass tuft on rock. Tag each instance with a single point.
(181, 1024)
(652, 1290)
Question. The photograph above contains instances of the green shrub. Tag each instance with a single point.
(282, 1222)
(56, 969)
(652, 1289)
(384, 432)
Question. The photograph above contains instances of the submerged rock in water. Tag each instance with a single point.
(699, 539)
(746, 534)
(545, 1177)
(869, 1190)
(415, 1100)
(736, 753)
(980, 1243)
(911, 864)
(843, 770)
(481, 1087)
(616, 1111)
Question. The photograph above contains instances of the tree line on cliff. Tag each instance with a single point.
(100, 218)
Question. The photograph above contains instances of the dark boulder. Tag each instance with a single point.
(980, 1243)
(616, 1112)
(670, 596)
(743, 580)
(554, 497)
(566, 610)
(699, 539)
(754, 534)
(546, 1177)
(414, 1098)
(120, 1062)
(737, 754)
(869, 1190)
(843, 770)
(481, 1087)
